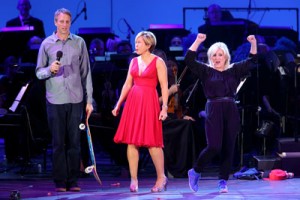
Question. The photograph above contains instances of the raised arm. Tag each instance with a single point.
(252, 40)
(200, 38)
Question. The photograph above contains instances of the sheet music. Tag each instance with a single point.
(18, 99)
(240, 85)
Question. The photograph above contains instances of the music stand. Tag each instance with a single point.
(18, 99)
(90, 33)
(164, 33)
(232, 33)
(14, 40)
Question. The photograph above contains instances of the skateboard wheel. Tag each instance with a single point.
(81, 126)
(89, 169)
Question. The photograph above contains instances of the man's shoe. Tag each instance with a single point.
(60, 189)
(193, 180)
(73, 187)
(223, 186)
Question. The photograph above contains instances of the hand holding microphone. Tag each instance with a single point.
(54, 67)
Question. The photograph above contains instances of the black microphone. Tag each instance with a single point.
(59, 54)
(129, 27)
(205, 17)
(249, 7)
(84, 10)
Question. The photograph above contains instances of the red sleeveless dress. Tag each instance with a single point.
(139, 124)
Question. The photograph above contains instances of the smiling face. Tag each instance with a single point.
(63, 24)
(219, 57)
(218, 60)
(62, 21)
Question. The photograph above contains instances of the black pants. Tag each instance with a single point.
(222, 126)
(64, 123)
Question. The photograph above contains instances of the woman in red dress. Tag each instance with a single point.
(141, 120)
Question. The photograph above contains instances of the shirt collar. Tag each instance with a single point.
(70, 37)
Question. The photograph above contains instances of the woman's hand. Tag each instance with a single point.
(115, 111)
(163, 114)
(251, 39)
(201, 37)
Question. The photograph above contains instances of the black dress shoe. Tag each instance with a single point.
(73, 187)
(60, 187)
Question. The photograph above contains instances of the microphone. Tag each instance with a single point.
(205, 17)
(249, 7)
(84, 10)
(59, 54)
(129, 27)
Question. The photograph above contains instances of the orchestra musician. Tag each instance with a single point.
(179, 129)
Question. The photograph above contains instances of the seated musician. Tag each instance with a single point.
(179, 129)
(10, 84)
(25, 19)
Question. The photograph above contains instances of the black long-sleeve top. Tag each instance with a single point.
(217, 84)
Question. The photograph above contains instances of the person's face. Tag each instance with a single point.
(214, 14)
(176, 42)
(202, 57)
(124, 49)
(219, 59)
(24, 7)
(63, 24)
(140, 46)
(97, 49)
(172, 69)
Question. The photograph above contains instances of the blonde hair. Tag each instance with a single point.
(149, 39)
(213, 49)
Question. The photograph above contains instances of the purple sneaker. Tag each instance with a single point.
(223, 186)
(193, 179)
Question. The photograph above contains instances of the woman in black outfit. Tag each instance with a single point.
(220, 80)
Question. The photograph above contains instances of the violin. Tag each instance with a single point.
(174, 105)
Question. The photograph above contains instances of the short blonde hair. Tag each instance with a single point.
(149, 39)
(213, 49)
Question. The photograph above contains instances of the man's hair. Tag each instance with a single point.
(62, 11)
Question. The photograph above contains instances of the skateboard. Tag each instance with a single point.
(92, 167)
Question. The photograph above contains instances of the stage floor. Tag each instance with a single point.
(40, 186)
(25, 180)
